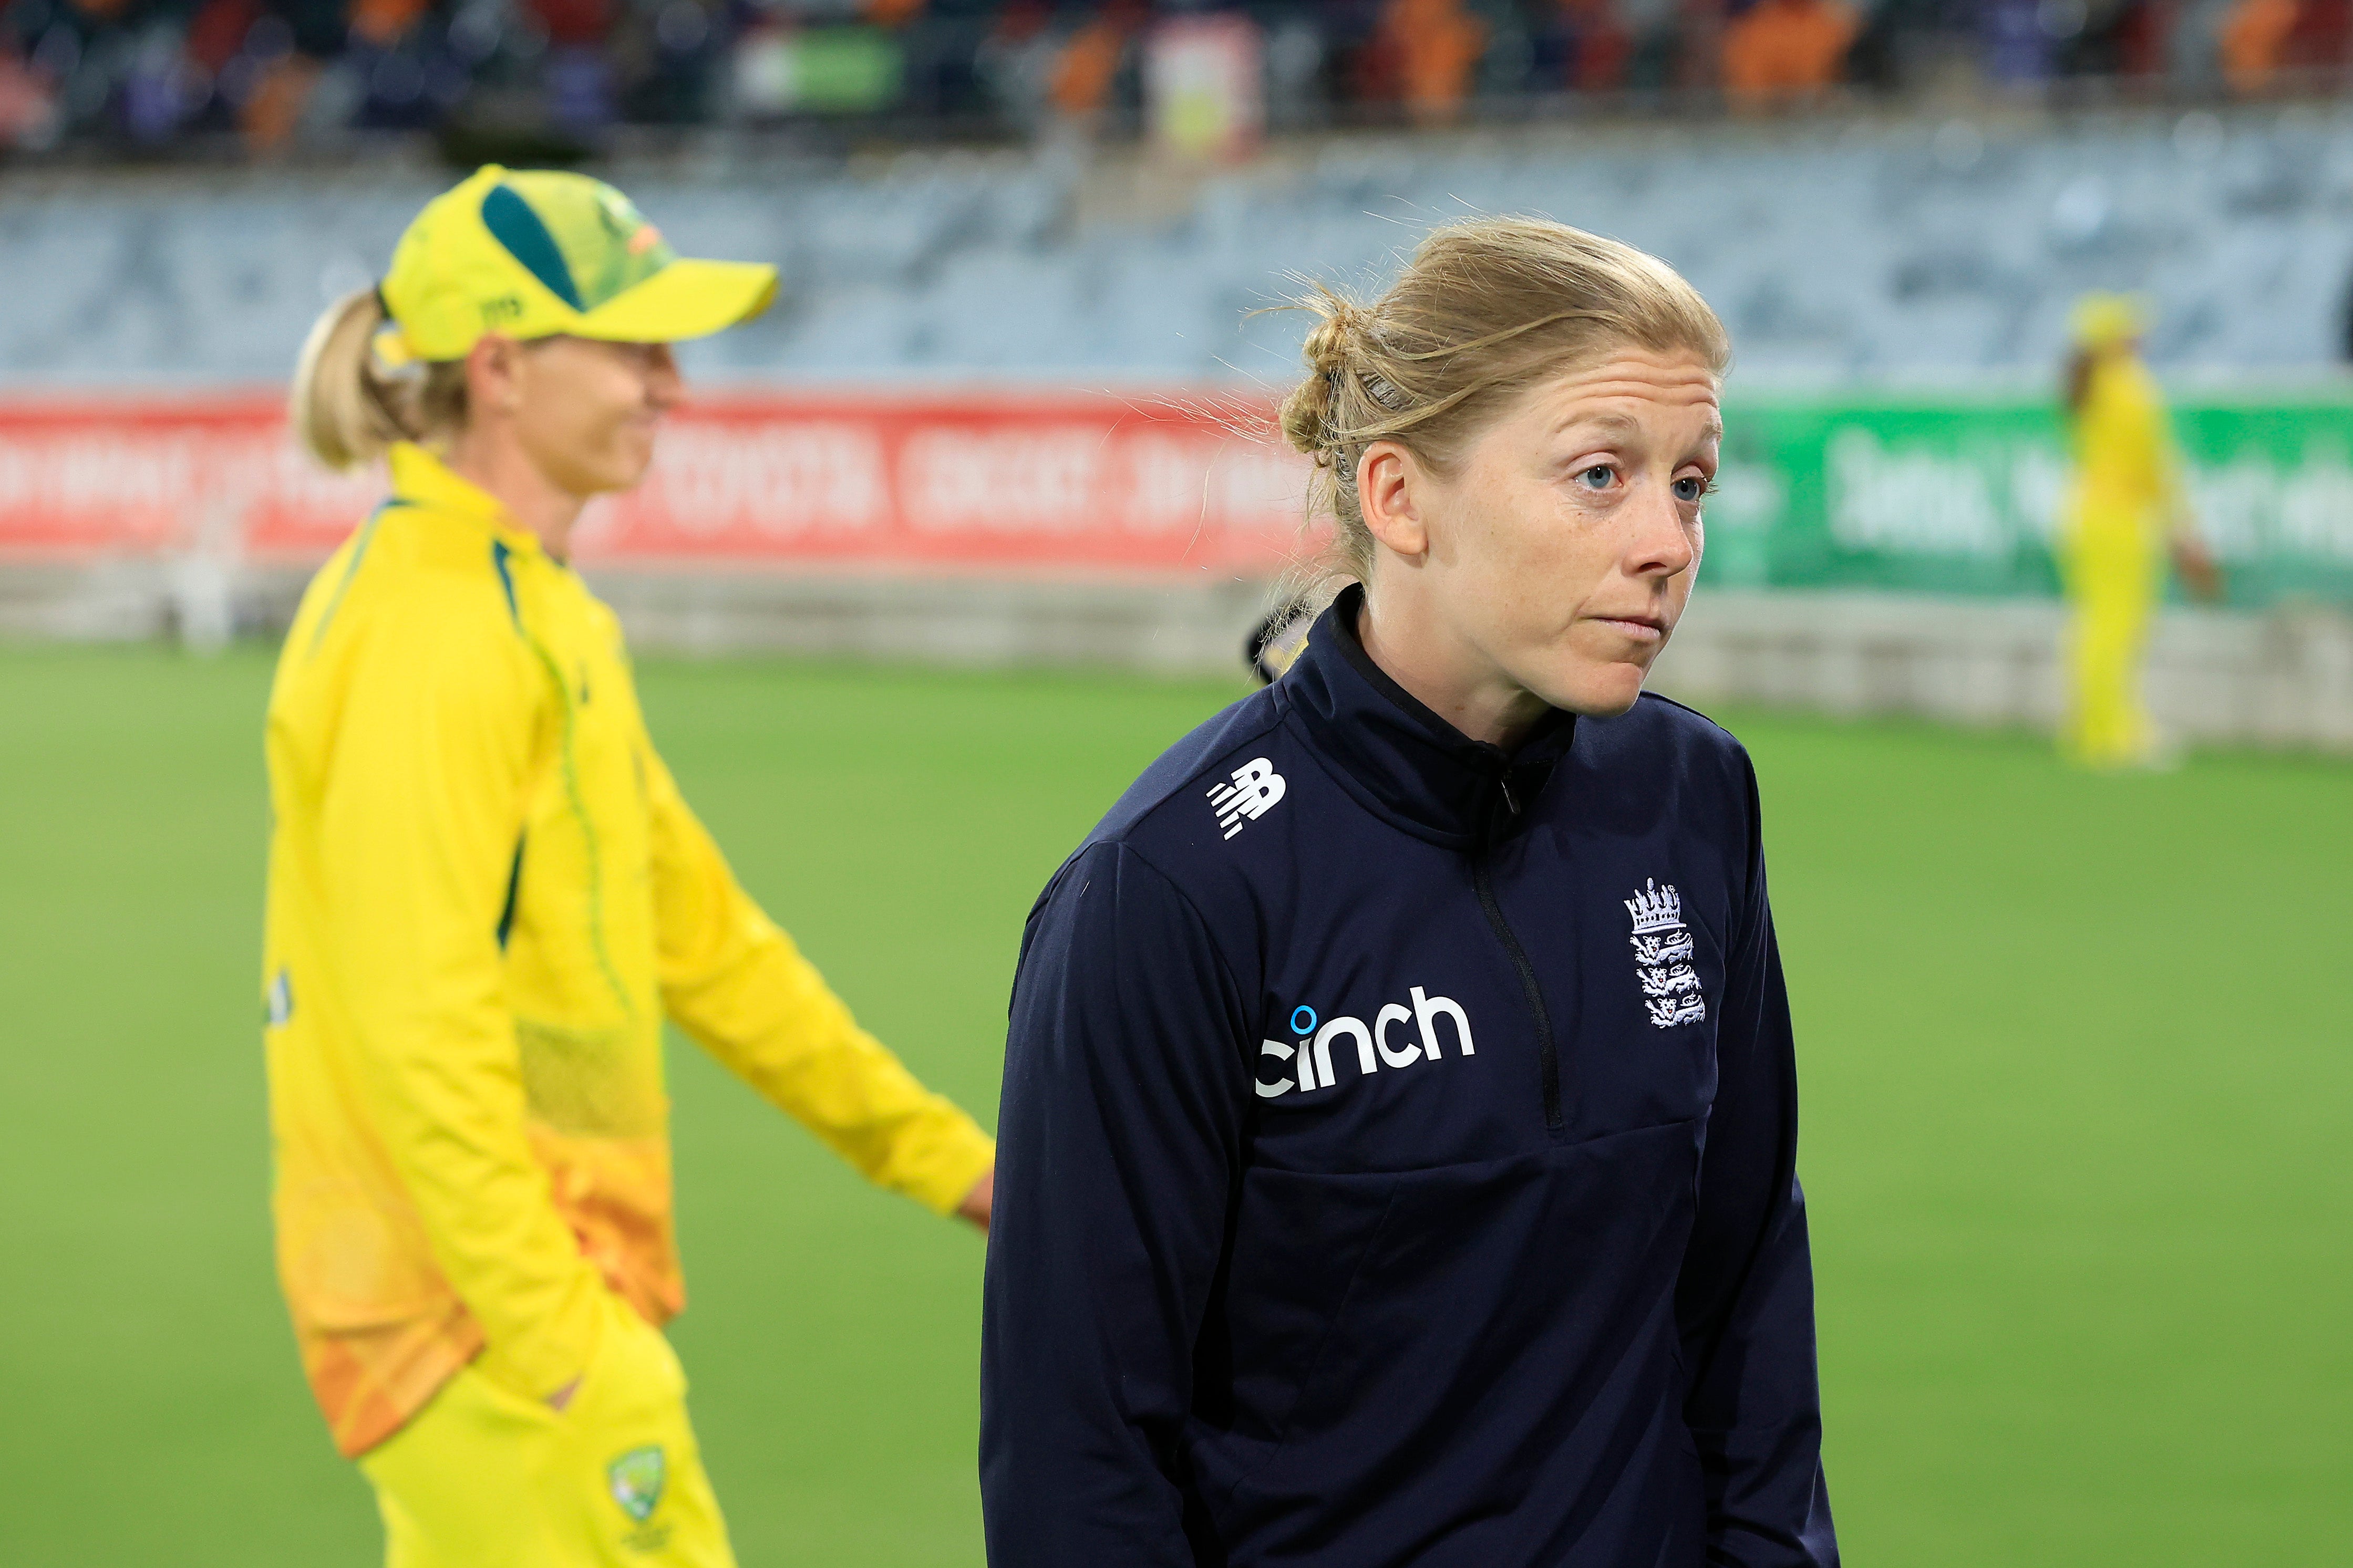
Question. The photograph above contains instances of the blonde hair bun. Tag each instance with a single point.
(1307, 409)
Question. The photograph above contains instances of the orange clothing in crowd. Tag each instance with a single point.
(383, 22)
(1089, 64)
(2260, 38)
(275, 109)
(2253, 37)
(1780, 49)
(1437, 46)
(1083, 73)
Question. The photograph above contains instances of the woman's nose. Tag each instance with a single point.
(664, 384)
(1662, 546)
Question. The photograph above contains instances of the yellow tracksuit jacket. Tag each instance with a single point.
(485, 895)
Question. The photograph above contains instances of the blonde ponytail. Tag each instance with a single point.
(347, 408)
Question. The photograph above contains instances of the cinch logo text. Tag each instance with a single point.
(1376, 1045)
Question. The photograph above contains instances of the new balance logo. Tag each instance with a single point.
(1256, 787)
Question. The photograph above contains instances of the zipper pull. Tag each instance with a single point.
(1511, 801)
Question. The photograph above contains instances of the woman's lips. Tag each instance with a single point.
(1638, 628)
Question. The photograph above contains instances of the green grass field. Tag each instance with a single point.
(2077, 1054)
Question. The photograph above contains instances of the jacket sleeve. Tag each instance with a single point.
(1121, 1123)
(1746, 1299)
(418, 824)
(737, 985)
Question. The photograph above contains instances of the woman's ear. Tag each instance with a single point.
(1386, 479)
(490, 367)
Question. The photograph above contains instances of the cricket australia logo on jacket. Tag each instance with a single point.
(1663, 953)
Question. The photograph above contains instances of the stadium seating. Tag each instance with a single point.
(1885, 251)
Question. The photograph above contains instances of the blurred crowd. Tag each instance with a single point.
(135, 75)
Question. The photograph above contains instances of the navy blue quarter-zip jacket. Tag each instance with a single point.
(1397, 1159)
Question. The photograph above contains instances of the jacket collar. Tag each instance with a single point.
(1407, 764)
(421, 479)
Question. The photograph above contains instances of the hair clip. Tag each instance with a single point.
(389, 348)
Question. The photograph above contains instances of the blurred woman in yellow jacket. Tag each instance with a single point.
(2124, 512)
(485, 895)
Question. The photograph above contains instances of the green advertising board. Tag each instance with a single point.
(1959, 496)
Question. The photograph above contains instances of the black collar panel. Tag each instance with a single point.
(1410, 766)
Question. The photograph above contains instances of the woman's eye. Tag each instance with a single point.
(1599, 477)
(1691, 488)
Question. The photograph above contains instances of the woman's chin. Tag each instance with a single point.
(619, 472)
(1594, 688)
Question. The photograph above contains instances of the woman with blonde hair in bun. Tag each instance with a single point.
(1400, 1124)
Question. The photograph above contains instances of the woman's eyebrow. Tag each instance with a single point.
(1714, 434)
(1609, 422)
(1616, 424)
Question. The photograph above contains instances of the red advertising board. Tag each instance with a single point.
(1170, 483)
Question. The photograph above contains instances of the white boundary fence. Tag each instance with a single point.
(2282, 678)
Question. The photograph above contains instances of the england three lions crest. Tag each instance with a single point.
(1662, 951)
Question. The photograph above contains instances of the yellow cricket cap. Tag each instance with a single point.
(533, 253)
(2104, 321)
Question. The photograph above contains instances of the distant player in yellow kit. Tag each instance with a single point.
(485, 897)
(2123, 516)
